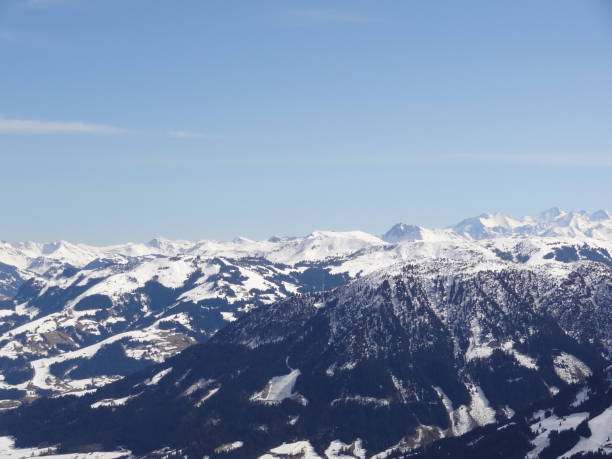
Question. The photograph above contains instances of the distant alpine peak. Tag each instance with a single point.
(552, 222)
(600, 215)
(403, 232)
(549, 214)
(159, 242)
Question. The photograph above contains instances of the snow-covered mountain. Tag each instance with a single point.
(402, 232)
(550, 223)
(40, 257)
(419, 351)
(75, 317)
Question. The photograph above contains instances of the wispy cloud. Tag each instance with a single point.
(329, 16)
(10, 126)
(37, 127)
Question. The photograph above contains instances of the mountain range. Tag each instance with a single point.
(330, 344)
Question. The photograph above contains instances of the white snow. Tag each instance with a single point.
(278, 388)
(570, 368)
(522, 359)
(171, 273)
(480, 410)
(552, 390)
(544, 426)
(199, 384)
(477, 348)
(299, 449)
(581, 396)
(208, 395)
(112, 401)
(478, 352)
(227, 447)
(459, 419)
(157, 377)
(465, 418)
(9, 451)
(293, 420)
(6, 312)
(403, 391)
(42, 374)
(508, 412)
(525, 360)
(228, 316)
(340, 450)
(601, 436)
(347, 366)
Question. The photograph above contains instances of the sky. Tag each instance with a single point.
(121, 120)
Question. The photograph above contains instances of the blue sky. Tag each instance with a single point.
(121, 120)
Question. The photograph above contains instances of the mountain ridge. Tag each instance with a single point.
(549, 223)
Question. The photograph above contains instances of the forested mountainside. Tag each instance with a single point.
(575, 424)
(382, 365)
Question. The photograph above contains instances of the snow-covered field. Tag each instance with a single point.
(9, 451)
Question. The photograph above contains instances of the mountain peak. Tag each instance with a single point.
(403, 232)
(549, 214)
(600, 215)
(159, 242)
